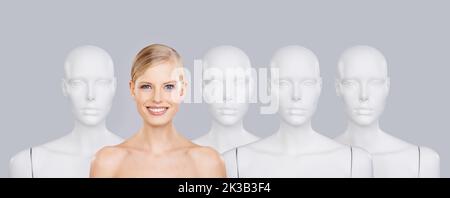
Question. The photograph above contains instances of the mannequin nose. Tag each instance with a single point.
(363, 94)
(228, 92)
(91, 93)
(296, 93)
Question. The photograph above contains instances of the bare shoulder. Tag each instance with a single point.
(361, 163)
(208, 161)
(107, 160)
(205, 155)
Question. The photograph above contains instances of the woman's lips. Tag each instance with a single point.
(157, 111)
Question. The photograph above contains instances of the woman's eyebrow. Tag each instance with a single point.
(144, 82)
(173, 81)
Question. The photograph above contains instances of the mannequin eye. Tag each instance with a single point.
(309, 82)
(348, 83)
(377, 82)
(283, 83)
(76, 83)
(103, 82)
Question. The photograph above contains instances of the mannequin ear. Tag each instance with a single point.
(252, 87)
(320, 83)
(337, 86)
(64, 87)
(114, 84)
(388, 84)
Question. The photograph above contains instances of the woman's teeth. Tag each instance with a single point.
(157, 110)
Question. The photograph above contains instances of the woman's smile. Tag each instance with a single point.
(157, 110)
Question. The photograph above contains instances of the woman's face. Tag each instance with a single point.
(158, 92)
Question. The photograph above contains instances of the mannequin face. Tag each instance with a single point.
(226, 84)
(89, 84)
(158, 92)
(299, 86)
(364, 86)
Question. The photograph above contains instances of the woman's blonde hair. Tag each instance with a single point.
(151, 55)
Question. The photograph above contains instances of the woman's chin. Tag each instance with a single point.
(158, 122)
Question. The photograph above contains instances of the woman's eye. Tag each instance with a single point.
(169, 87)
(145, 87)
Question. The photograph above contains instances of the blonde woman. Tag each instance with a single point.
(157, 149)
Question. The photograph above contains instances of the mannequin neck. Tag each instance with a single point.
(364, 136)
(221, 131)
(357, 130)
(84, 130)
(88, 139)
(299, 136)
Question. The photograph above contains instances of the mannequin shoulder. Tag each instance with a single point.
(343, 139)
(429, 162)
(208, 161)
(106, 160)
(361, 163)
(429, 154)
(251, 138)
(230, 163)
(20, 164)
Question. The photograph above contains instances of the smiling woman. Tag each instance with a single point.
(157, 86)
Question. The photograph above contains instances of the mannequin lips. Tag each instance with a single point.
(157, 110)
(90, 111)
(297, 111)
(228, 111)
(363, 111)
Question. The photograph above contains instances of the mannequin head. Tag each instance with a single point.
(298, 85)
(157, 84)
(89, 83)
(226, 83)
(363, 84)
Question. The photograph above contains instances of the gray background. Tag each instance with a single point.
(35, 37)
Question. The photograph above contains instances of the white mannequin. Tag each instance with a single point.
(296, 150)
(364, 84)
(90, 85)
(226, 89)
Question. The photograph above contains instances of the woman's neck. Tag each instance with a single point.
(158, 139)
